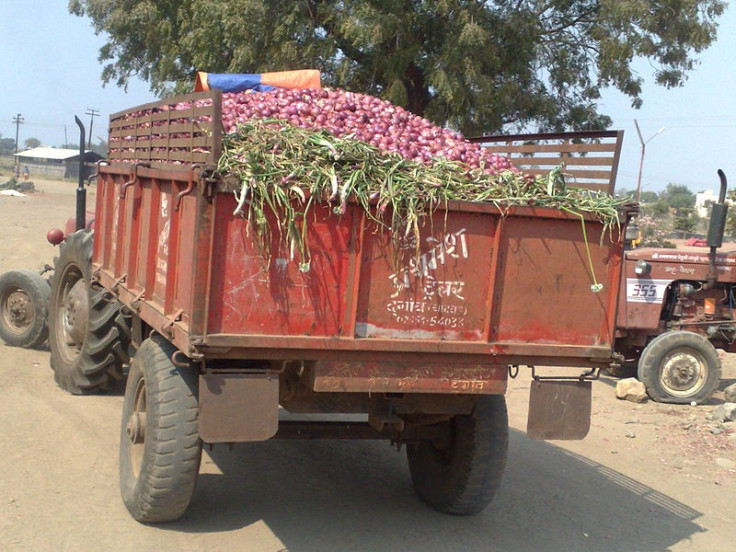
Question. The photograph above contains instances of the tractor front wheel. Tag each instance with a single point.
(680, 367)
(24, 297)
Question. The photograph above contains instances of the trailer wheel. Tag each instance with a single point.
(24, 298)
(462, 475)
(88, 333)
(160, 449)
(680, 367)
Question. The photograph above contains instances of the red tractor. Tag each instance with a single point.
(676, 307)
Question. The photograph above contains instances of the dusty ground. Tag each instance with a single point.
(649, 477)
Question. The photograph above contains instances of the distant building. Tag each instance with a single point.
(703, 200)
(48, 162)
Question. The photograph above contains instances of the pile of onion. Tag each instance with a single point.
(366, 118)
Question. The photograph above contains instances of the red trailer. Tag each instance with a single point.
(225, 337)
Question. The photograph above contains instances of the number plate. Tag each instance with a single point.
(645, 290)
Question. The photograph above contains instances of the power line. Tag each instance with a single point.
(92, 114)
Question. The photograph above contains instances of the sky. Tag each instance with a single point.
(49, 73)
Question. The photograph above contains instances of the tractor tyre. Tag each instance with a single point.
(89, 334)
(680, 367)
(160, 449)
(24, 299)
(461, 474)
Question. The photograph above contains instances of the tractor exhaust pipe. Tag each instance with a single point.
(81, 191)
(716, 228)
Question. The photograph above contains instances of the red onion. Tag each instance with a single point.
(370, 119)
(367, 118)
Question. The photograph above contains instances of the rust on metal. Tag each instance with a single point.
(404, 377)
(480, 289)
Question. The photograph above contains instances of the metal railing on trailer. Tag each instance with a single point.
(591, 158)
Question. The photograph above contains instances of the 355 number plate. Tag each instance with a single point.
(645, 291)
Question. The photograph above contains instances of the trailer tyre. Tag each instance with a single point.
(160, 449)
(462, 475)
(24, 298)
(89, 334)
(680, 367)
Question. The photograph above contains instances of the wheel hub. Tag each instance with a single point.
(136, 427)
(682, 372)
(75, 314)
(19, 310)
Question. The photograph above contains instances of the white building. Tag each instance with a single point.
(56, 162)
(703, 200)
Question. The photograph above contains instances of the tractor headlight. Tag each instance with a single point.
(642, 268)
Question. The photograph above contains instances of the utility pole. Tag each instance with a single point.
(641, 161)
(17, 121)
(92, 114)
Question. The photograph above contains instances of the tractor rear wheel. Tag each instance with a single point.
(24, 298)
(160, 449)
(680, 367)
(88, 333)
(460, 474)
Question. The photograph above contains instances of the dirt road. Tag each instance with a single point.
(649, 477)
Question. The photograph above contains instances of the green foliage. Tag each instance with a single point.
(654, 231)
(731, 216)
(686, 219)
(678, 196)
(649, 197)
(284, 171)
(100, 147)
(7, 145)
(659, 208)
(31, 143)
(476, 66)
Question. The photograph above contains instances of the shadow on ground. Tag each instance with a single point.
(349, 495)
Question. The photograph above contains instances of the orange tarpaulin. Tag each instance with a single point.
(302, 78)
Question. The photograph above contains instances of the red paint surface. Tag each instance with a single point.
(481, 283)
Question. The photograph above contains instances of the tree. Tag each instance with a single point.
(31, 143)
(7, 145)
(686, 220)
(731, 216)
(479, 66)
(100, 147)
(658, 209)
(649, 197)
(678, 196)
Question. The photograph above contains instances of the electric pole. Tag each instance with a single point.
(643, 150)
(92, 114)
(17, 121)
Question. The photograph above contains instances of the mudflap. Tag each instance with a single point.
(238, 407)
(559, 410)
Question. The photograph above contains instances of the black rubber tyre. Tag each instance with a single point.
(680, 367)
(160, 449)
(24, 298)
(88, 333)
(462, 476)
